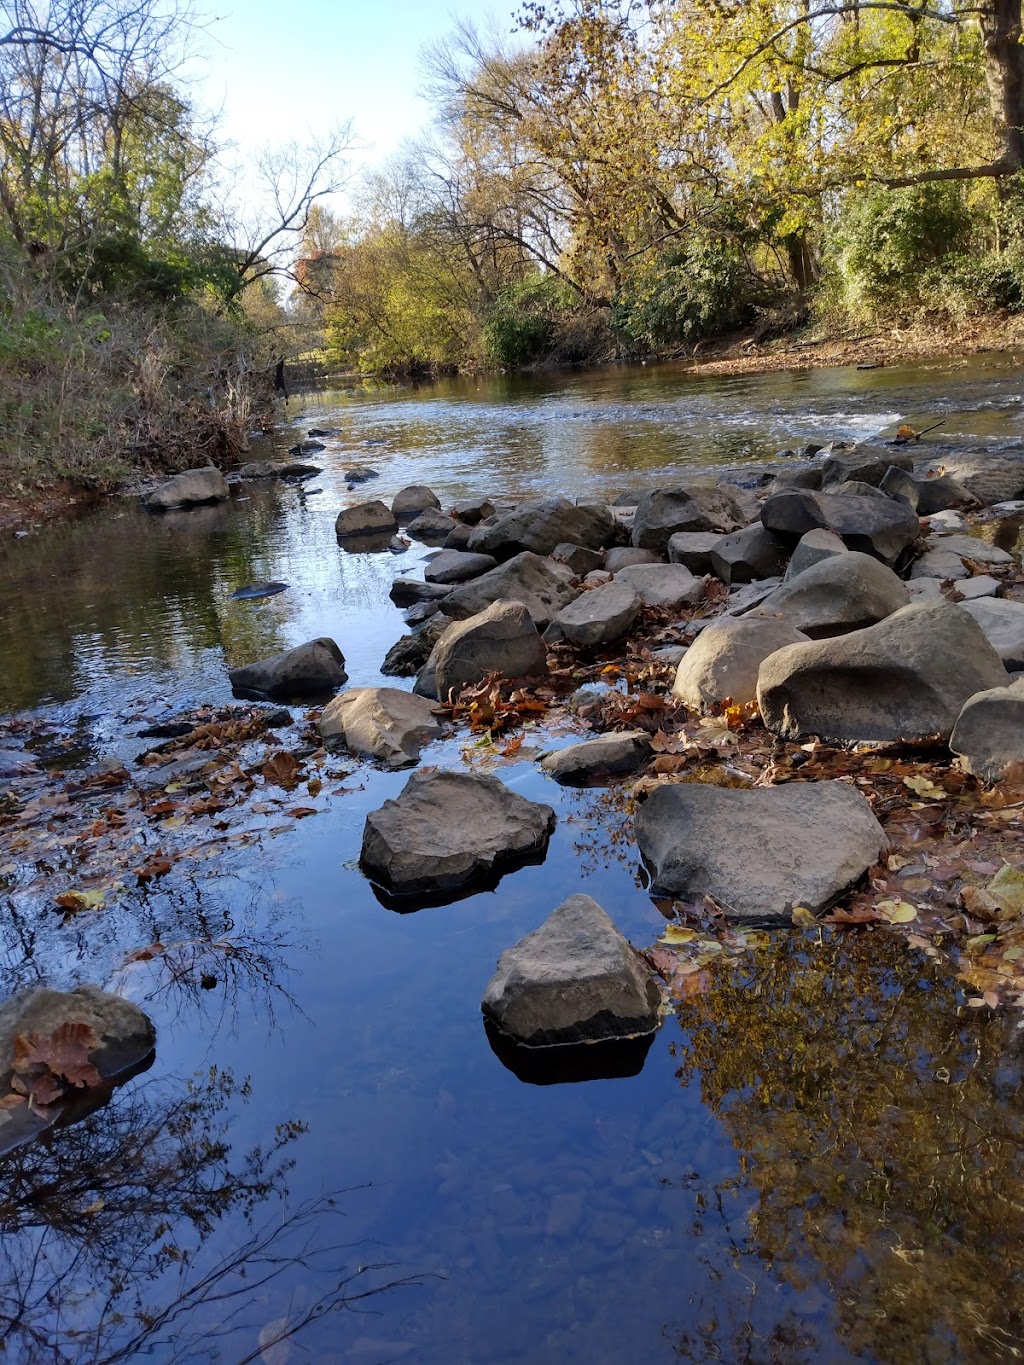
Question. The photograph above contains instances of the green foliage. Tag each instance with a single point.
(702, 289)
(521, 324)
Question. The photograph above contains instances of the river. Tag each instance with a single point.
(818, 1160)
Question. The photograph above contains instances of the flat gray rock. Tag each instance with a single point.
(457, 566)
(875, 525)
(969, 547)
(761, 853)
(625, 556)
(692, 507)
(749, 555)
(386, 723)
(597, 617)
(307, 670)
(906, 678)
(662, 585)
(723, 662)
(540, 526)
(573, 980)
(578, 558)
(448, 830)
(838, 594)
(989, 733)
(606, 756)
(693, 549)
(542, 586)
(939, 564)
(501, 639)
(1003, 624)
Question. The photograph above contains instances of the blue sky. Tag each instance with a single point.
(281, 71)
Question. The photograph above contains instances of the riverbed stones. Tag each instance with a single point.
(863, 464)
(470, 511)
(307, 670)
(906, 678)
(839, 594)
(969, 547)
(407, 655)
(989, 733)
(191, 488)
(448, 830)
(1003, 624)
(693, 549)
(597, 617)
(404, 592)
(811, 549)
(662, 585)
(926, 496)
(500, 639)
(573, 980)
(407, 504)
(430, 526)
(759, 853)
(880, 526)
(939, 564)
(365, 519)
(986, 478)
(579, 765)
(625, 556)
(385, 723)
(801, 476)
(541, 526)
(126, 1035)
(456, 566)
(749, 555)
(722, 663)
(666, 512)
(543, 587)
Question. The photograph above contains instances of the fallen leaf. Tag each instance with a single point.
(300, 812)
(677, 933)
(1007, 890)
(923, 787)
(803, 918)
(74, 901)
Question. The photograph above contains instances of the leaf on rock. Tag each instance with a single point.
(282, 769)
(74, 901)
(803, 918)
(1007, 890)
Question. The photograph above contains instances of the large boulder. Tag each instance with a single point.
(926, 496)
(839, 594)
(307, 670)
(986, 478)
(471, 511)
(573, 980)
(365, 519)
(722, 663)
(759, 853)
(189, 489)
(596, 617)
(989, 732)
(811, 549)
(749, 555)
(606, 756)
(1003, 624)
(500, 639)
(456, 566)
(407, 505)
(381, 722)
(662, 585)
(800, 476)
(543, 587)
(541, 526)
(906, 678)
(665, 512)
(448, 830)
(879, 526)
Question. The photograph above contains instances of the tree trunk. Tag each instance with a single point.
(1000, 22)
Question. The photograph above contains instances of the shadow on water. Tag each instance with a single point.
(818, 1158)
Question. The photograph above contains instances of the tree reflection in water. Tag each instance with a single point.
(108, 1244)
(881, 1126)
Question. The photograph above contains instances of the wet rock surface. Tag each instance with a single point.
(758, 854)
(307, 670)
(543, 587)
(385, 723)
(191, 488)
(573, 980)
(594, 759)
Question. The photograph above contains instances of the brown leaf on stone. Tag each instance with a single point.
(62, 1054)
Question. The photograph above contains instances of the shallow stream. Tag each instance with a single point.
(820, 1159)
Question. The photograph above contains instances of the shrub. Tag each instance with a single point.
(521, 325)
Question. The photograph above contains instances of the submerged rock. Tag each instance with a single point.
(761, 853)
(361, 473)
(500, 639)
(386, 723)
(575, 979)
(448, 830)
(191, 488)
(906, 678)
(723, 662)
(404, 592)
(606, 756)
(307, 670)
(989, 732)
(254, 591)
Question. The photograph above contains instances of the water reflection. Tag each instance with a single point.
(614, 1059)
(881, 1128)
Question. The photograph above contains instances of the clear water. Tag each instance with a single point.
(820, 1157)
